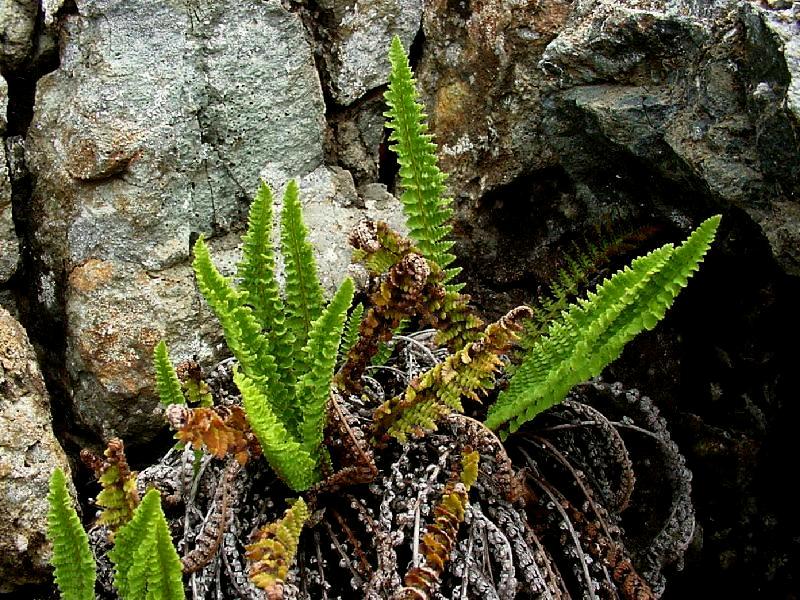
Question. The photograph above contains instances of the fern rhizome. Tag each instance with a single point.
(395, 466)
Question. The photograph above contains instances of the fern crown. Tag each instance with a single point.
(286, 345)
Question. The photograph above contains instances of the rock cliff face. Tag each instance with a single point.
(135, 125)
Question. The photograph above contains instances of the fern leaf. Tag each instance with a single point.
(439, 391)
(350, 335)
(427, 210)
(440, 536)
(222, 430)
(303, 290)
(257, 274)
(274, 549)
(119, 497)
(593, 332)
(146, 564)
(72, 558)
(167, 382)
(285, 454)
(257, 268)
(243, 334)
(314, 387)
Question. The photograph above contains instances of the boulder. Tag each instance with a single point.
(29, 452)
(155, 128)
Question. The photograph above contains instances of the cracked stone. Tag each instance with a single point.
(156, 127)
(360, 33)
(29, 452)
(9, 244)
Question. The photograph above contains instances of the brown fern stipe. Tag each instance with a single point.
(208, 542)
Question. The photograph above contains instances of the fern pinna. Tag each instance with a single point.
(593, 332)
(286, 347)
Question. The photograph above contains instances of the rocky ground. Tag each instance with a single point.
(134, 125)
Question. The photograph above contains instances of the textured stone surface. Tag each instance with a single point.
(137, 145)
(9, 244)
(17, 25)
(28, 454)
(356, 34)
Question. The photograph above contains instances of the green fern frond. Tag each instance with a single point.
(303, 289)
(593, 332)
(243, 333)
(256, 271)
(146, 564)
(350, 335)
(257, 274)
(314, 386)
(72, 558)
(274, 548)
(167, 382)
(286, 455)
(427, 210)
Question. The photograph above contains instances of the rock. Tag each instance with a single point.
(17, 26)
(9, 244)
(29, 452)
(357, 35)
(483, 87)
(134, 151)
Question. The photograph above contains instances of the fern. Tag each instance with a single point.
(303, 289)
(439, 391)
(119, 497)
(72, 558)
(440, 536)
(286, 350)
(350, 335)
(314, 385)
(167, 382)
(593, 332)
(427, 210)
(274, 548)
(146, 565)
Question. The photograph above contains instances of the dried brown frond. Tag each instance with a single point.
(438, 392)
(440, 536)
(119, 497)
(222, 430)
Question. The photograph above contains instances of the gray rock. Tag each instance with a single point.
(29, 452)
(17, 25)
(9, 244)
(134, 147)
(359, 34)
